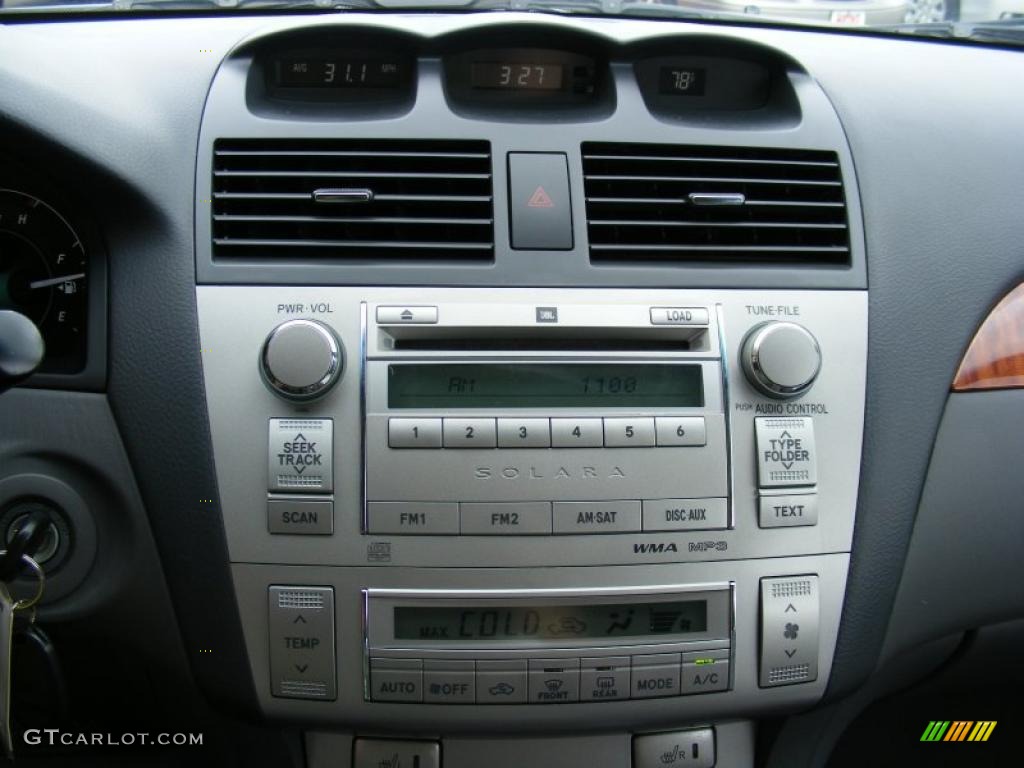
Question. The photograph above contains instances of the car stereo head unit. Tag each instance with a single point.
(523, 420)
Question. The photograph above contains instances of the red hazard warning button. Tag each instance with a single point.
(539, 205)
(540, 199)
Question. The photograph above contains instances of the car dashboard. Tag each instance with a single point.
(480, 389)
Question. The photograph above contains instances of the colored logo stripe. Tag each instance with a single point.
(935, 730)
(958, 730)
(982, 730)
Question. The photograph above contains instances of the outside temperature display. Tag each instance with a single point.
(681, 81)
(526, 76)
(550, 622)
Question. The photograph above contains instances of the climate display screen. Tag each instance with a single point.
(544, 385)
(551, 622)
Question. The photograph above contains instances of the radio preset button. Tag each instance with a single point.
(629, 433)
(604, 679)
(501, 682)
(788, 511)
(679, 316)
(785, 452)
(514, 518)
(682, 430)
(705, 675)
(595, 516)
(554, 681)
(576, 433)
(414, 433)
(470, 433)
(426, 518)
(448, 682)
(685, 514)
(396, 680)
(301, 455)
(524, 433)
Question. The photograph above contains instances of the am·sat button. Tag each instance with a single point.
(685, 514)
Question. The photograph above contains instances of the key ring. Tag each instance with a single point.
(29, 602)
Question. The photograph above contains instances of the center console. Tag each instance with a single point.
(535, 368)
(633, 505)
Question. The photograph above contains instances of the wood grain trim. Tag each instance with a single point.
(995, 358)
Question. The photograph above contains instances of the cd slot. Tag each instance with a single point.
(527, 344)
(533, 339)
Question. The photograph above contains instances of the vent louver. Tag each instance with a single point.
(671, 203)
(352, 200)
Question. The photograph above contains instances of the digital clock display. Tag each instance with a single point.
(544, 623)
(545, 385)
(516, 76)
(338, 72)
(681, 81)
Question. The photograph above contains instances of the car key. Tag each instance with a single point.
(7, 604)
(8, 607)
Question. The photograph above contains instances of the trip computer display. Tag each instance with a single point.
(326, 71)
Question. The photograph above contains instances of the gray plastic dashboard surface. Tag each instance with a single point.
(432, 116)
(939, 165)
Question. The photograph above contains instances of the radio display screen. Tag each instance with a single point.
(545, 385)
(550, 622)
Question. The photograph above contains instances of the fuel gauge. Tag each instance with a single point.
(43, 270)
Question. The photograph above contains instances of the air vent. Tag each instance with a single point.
(352, 201)
(671, 203)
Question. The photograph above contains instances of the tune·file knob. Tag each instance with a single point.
(781, 359)
(301, 360)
